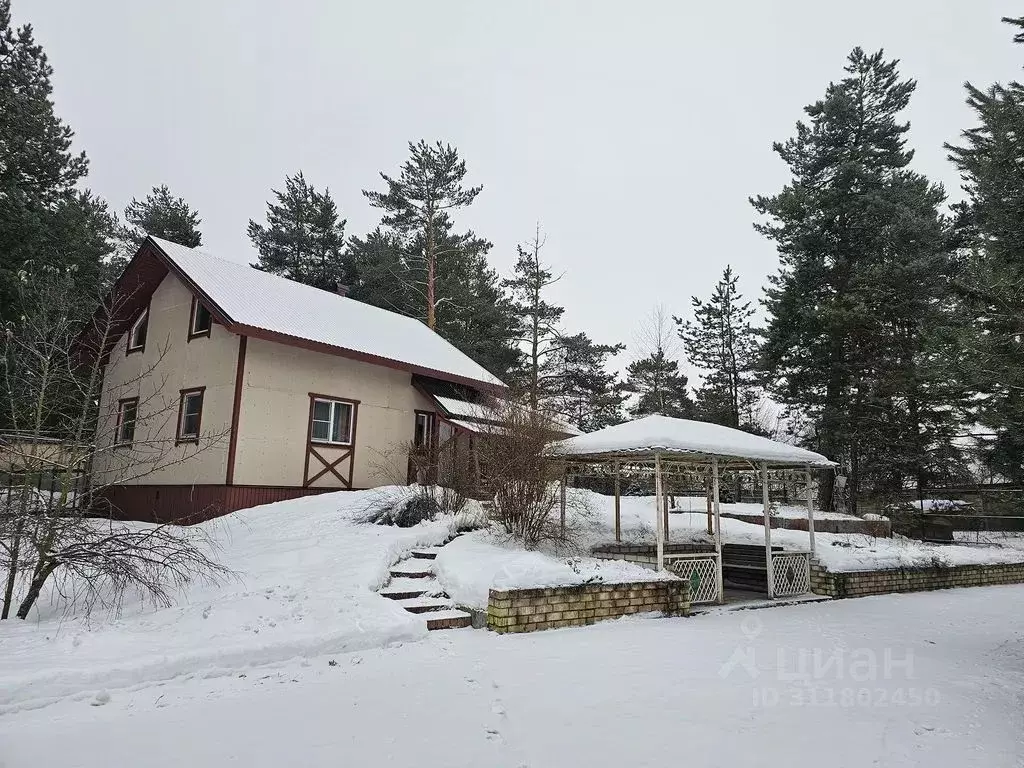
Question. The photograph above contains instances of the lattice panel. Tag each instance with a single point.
(702, 573)
(792, 571)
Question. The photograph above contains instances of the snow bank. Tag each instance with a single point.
(306, 576)
(469, 567)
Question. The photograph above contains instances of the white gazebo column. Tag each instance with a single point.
(767, 529)
(657, 512)
(561, 503)
(618, 505)
(718, 532)
(810, 509)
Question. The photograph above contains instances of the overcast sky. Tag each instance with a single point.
(633, 131)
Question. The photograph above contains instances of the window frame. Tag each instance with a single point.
(353, 406)
(193, 315)
(183, 394)
(432, 435)
(121, 405)
(142, 318)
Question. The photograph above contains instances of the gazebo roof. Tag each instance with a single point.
(683, 439)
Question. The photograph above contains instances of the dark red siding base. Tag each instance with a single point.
(189, 504)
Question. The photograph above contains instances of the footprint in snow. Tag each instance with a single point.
(101, 698)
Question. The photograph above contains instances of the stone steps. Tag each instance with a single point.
(414, 568)
(426, 604)
(412, 585)
(426, 553)
(451, 619)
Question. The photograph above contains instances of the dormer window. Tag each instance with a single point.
(137, 334)
(201, 321)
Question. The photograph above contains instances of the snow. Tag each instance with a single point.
(837, 551)
(469, 567)
(306, 575)
(725, 689)
(258, 299)
(699, 439)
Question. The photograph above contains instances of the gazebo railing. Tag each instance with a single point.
(791, 572)
(701, 570)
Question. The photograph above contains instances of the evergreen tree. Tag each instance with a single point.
(536, 320)
(162, 215)
(45, 221)
(991, 288)
(721, 341)
(418, 204)
(854, 306)
(376, 272)
(660, 386)
(303, 240)
(583, 390)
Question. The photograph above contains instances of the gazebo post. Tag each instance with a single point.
(561, 503)
(618, 505)
(767, 529)
(659, 520)
(718, 532)
(664, 502)
(810, 509)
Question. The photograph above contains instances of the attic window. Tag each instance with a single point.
(137, 335)
(201, 321)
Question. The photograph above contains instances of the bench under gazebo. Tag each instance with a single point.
(664, 446)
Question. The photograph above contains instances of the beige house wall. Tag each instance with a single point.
(274, 419)
(169, 363)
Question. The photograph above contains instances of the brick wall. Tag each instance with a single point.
(862, 583)
(527, 610)
(880, 528)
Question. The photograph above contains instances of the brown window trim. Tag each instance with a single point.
(129, 349)
(313, 397)
(201, 391)
(192, 321)
(118, 442)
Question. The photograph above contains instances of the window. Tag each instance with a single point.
(190, 415)
(201, 321)
(137, 335)
(426, 423)
(331, 421)
(127, 411)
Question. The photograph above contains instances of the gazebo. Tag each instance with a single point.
(666, 444)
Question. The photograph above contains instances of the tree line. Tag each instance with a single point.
(890, 334)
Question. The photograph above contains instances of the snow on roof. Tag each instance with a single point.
(698, 439)
(457, 407)
(261, 300)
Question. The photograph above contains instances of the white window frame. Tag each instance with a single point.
(334, 405)
(192, 331)
(193, 437)
(143, 320)
(431, 424)
(121, 406)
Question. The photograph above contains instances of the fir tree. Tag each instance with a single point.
(303, 240)
(45, 221)
(536, 320)
(721, 341)
(991, 288)
(655, 379)
(863, 260)
(418, 204)
(583, 390)
(162, 215)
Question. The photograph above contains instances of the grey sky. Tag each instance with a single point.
(634, 132)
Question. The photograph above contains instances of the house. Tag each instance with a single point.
(225, 387)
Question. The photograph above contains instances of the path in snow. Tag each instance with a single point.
(719, 690)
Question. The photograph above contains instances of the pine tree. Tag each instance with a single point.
(45, 221)
(162, 215)
(583, 390)
(992, 284)
(536, 320)
(303, 240)
(660, 387)
(721, 341)
(418, 204)
(863, 260)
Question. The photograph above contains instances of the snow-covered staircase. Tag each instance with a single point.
(413, 586)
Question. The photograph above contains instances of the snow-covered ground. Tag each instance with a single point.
(306, 575)
(929, 679)
(837, 551)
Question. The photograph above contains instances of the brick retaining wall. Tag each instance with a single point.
(862, 583)
(647, 554)
(527, 610)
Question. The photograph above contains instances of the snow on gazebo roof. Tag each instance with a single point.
(684, 439)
